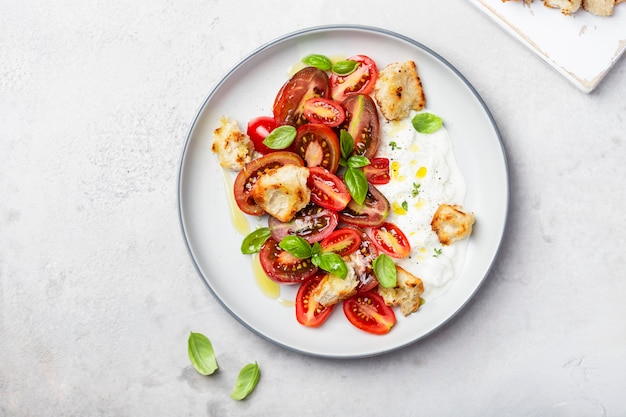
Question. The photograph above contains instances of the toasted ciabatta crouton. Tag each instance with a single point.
(332, 290)
(282, 191)
(398, 90)
(451, 223)
(567, 7)
(407, 293)
(233, 147)
(599, 7)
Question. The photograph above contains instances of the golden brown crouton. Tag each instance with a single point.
(407, 293)
(283, 191)
(451, 223)
(398, 90)
(332, 290)
(233, 147)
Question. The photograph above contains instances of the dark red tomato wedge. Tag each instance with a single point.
(283, 267)
(309, 312)
(307, 83)
(247, 177)
(312, 223)
(327, 189)
(377, 172)
(389, 239)
(343, 241)
(324, 111)
(362, 261)
(367, 311)
(362, 123)
(318, 145)
(372, 212)
(258, 129)
(360, 81)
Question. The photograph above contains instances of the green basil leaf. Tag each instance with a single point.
(331, 262)
(253, 242)
(246, 381)
(316, 249)
(318, 61)
(358, 161)
(345, 67)
(426, 122)
(385, 271)
(281, 137)
(201, 353)
(296, 246)
(356, 182)
(346, 143)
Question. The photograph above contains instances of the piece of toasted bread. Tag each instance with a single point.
(282, 191)
(398, 90)
(568, 7)
(332, 290)
(407, 294)
(599, 7)
(450, 223)
(233, 146)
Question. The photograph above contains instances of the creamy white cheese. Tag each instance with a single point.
(424, 174)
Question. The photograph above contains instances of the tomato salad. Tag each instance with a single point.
(325, 119)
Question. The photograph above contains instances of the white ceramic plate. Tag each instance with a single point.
(581, 47)
(248, 90)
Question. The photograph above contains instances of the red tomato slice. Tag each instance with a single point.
(343, 241)
(377, 172)
(258, 129)
(368, 311)
(389, 239)
(309, 312)
(247, 177)
(318, 145)
(283, 267)
(312, 223)
(362, 261)
(362, 123)
(307, 83)
(361, 81)
(372, 212)
(324, 111)
(327, 189)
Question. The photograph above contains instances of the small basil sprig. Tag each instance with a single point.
(301, 249)
(246, 381)
(201, 354)
(426, 122)
(353, 177)
(345, 67)
(253, 242)
(318, 61)
(385, 271)
(281, 137)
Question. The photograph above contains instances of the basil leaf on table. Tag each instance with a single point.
(201, 354)
(357, 185)
(318, 61)
(385, 271)
(296, 246)
(426, 122)
(281, 137)
(246, 381)
(253, 242)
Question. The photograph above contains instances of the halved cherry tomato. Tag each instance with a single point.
(307, 83)
(327, 189)
(342, 241)
(324, 111)
(258, 129)
(362, 123)
(361, 80)
(312, 223)
(368, 311)
(283, 267)
(389, 239)
(372, 212)
(318, 145)
(362, 261)
(247, 177)
(377, 172)
(309, 312)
